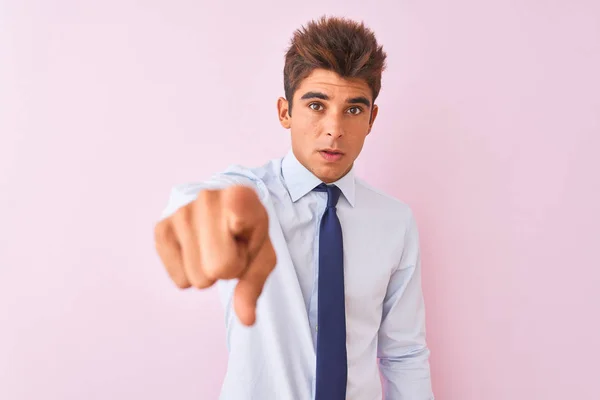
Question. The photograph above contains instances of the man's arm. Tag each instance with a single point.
(183, 194)
(402, 348)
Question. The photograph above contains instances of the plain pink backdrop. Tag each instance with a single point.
(489, 128)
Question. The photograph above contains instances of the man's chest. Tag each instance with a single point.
(372, 249)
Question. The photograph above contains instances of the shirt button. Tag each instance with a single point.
(317, 328)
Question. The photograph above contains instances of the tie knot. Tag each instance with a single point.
(333, 193)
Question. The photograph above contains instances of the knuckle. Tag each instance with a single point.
(199, 279)
(199, 283)
(240, 194)
(223, 268)
(236, 223)
(161, 232)
(182, 216)
(264, 214)
(206, 196)
(181, 282)
(195, 276)
(206, 203)
(238, 190)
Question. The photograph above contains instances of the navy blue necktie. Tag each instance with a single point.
(332, 362)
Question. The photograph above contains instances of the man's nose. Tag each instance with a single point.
(334, 126)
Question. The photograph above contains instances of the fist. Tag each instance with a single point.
(223, 234)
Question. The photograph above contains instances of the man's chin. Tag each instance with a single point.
(329, 174)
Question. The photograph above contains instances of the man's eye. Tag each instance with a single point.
(315, 106)
(355, 110)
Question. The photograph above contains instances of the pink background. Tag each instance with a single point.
(489, 127)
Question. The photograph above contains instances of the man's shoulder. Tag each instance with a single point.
(379, 199)
(257, 175)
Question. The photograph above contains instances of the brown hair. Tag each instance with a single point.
(336, 44)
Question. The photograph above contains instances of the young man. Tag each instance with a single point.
(318, 272)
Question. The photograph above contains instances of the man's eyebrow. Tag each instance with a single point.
(314, 95)
(323, 96)
(359, 100)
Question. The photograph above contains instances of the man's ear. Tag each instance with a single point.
(374, 112)
(283, 109)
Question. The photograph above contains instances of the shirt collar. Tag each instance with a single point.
(300, 181)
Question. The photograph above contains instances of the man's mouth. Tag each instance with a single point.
(331, 154)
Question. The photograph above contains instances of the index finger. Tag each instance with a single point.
(250, 285)
(247, 218)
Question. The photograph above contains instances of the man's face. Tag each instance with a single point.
(331, 117)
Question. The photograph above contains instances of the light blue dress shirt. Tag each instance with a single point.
(385, 313)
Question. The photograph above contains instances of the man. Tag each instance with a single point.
(318, 272)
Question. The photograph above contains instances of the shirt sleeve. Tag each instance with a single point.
(402, 349)
(184, 194)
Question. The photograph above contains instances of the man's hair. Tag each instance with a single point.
(336, 44)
